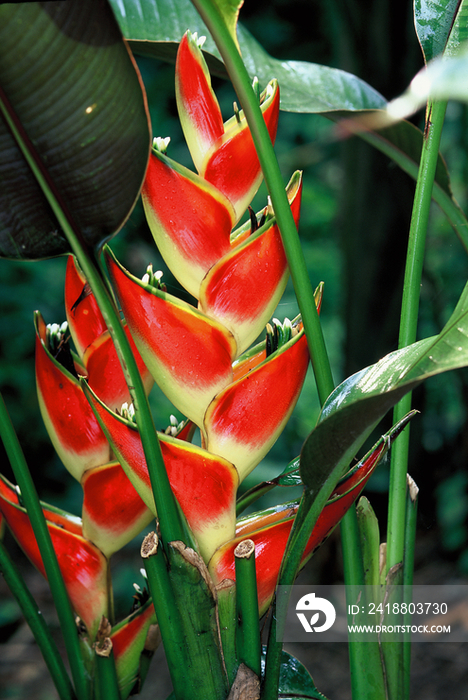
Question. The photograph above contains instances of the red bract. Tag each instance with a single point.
(189, 355)
(68, 417)
(190, 219)
(113, 512)
(130, 638)
(84, 318)
(204, 484)
(246, 418)
(83, 565)
(224, 154)
(243, 288)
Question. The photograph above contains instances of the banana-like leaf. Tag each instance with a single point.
(433, 20)
(305, 87)
(357, 405)
(443, 32)
(69, 85)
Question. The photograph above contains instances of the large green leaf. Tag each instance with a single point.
(359, 403)
(433, 20)
(444, 27)
(305, 87)
(69, 81)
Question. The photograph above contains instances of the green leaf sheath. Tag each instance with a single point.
(248, 631)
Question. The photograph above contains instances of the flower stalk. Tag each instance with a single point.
(248, 628)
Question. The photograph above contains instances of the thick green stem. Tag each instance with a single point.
(248, 630)
(365, 664)
(168, 614)
(49, 558)
(408, 567)
(38, 625)
(276, 188)
(409, 322)
(106, 682)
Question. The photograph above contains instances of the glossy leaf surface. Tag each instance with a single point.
(305, 87)
(433, 21)
(73, 87)
(295, 680)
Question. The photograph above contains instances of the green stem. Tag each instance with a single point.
(248, 630)
(409, 321)
(352, 551)
(364, 657)
(172, 525)
(49, 558)
(408, 568)
(397, 656)
(38, 626)
(167, 612)
(107, 683)
(274, 182)
(310, 507)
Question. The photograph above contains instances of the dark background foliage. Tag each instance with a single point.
(355, 219)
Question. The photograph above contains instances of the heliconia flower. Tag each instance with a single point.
(190, 220)
(130, 638)
(72, 426)
(113, 512)
(70, 421)
(224, 154)
(94, 343)
(189, 355)
(104, 372)
(85, 321)
(245, 419)
(204, 484)
(84, 567)
(270, 530)
(243, 288)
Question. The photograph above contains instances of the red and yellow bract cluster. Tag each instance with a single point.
(239, 397)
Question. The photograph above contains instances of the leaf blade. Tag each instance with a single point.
(74, 89)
